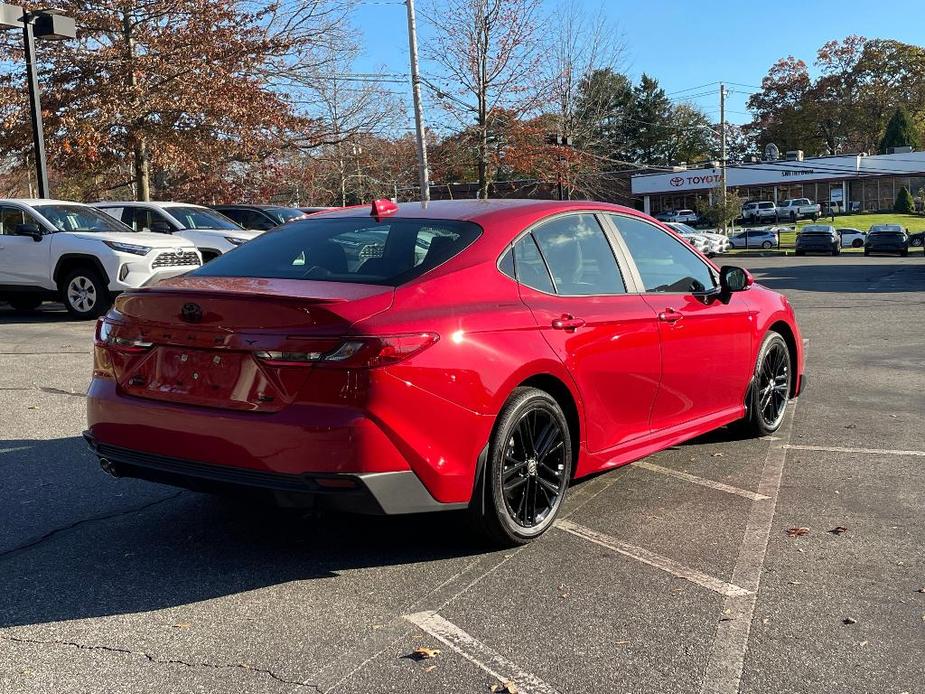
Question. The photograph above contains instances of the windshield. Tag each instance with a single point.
(201, 218)
(683, 229)
(283, 214)
(355, 250)
(79, 218)
(817, 229)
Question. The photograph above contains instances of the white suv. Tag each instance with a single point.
(759, 211)
(59, 250)
(212, 232)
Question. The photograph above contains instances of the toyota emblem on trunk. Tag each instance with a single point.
(191, 313)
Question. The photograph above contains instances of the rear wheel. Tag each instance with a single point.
(24, 303)
(527, 471)
(857, 243)
(85, 294)
(770, 390)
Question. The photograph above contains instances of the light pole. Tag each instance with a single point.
(42, 24)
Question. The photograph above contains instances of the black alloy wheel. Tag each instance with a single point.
(528, 469)
(773, 384)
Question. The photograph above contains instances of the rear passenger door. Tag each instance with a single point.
(705, 343)
(606, 336)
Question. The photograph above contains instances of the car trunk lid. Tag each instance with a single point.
(208, 341)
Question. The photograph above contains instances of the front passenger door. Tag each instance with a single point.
(706, 344)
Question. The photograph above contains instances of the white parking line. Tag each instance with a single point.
(478, 653)
(703, 482)
(839, 449)
(727, 657)
(652, 559)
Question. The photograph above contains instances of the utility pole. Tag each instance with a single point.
(722, 140)
(423, 173)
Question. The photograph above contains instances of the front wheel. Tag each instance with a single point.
(527, 471)
(769, 392)
(857, 243)
(85, 294)
(766, 244)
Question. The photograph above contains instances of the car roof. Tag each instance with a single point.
(482, 211)
(236, 206)
(155, 203)
(886, 227)
(39, 201)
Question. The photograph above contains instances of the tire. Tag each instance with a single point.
(904, 254)
(766, 244)
(866, 251)
(504, 514)
(917, 243)
(799, 253)
(793, 216)
(766, 408)
(25, 303)
(836, 251)
(84, 294)
(857, 243)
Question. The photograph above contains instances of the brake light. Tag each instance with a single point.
(105, 338)
(356, 352)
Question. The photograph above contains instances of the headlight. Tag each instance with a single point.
(128, 247)
(235, 240)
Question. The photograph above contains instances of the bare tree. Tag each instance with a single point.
(488, 52)
(583, 45)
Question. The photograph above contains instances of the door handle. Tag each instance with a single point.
(669, 315)
(567, 322)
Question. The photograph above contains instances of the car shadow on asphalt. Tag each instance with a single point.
(47, 313)
(96, 546)
(844, 279)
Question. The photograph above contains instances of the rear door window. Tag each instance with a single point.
(579, 256)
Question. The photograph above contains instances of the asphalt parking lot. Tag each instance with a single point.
(674, 575)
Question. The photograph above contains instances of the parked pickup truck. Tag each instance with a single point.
(797, 208)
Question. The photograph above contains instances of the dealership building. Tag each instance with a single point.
(857, 182)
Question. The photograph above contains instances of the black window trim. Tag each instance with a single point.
(630, 282)
(631, 263)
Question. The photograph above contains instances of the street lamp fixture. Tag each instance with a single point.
(48, 25)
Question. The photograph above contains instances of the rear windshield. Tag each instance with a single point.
(358, 250)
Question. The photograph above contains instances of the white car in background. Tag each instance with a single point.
(683, 216)
(714, 244)
(211, 232)
(698, 241)
(851, 238)
(55, 250)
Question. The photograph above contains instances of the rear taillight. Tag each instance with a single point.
(106, 338)
(355, 352)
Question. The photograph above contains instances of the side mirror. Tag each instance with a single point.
(161, 228)
(32, 230)
(734, 279)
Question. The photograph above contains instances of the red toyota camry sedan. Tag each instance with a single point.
(450, 355)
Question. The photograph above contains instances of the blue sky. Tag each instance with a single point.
(686, 43)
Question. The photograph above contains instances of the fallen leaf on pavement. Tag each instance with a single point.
(423, 653)
(182, 625)
(920, 590)
(430, 668)
(849, 620)
(716, 455)
(796, 532)
(506, 687)
(839, 530)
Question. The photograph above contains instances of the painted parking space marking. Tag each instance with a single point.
(652, 559)
(478, 653)
(703, 482)
(839, 449)
(723, 673)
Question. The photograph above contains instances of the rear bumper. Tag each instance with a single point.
(371, 493)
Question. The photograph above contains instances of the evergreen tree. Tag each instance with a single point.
(904, 201)
(900, 132)
(650, 122)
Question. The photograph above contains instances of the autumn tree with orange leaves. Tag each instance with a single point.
(174, 97)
